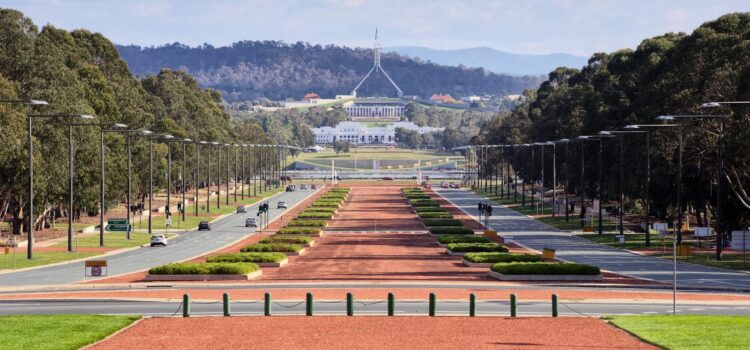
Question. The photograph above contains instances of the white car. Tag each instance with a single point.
(251, 222)
(281, 205)
(158, 240)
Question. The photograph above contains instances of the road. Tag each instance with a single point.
(363, 307)
(187, 245)
(536, 235)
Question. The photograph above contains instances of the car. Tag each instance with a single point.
(290, 188)
(251, 222)
(313, 187)
(444, 185)
(281, 205)
(204, 225)
(387, 178)
(452, 185)
(241, 209)
(302, 187)
(158, 240)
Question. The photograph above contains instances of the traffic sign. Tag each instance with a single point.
(117, 221)
(117, 228)
(95, 268)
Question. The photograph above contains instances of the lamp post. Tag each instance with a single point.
(567, 178)
(598, 138)
(622, 176)
(196, 173)
(127, 200)
(554, 176)
(70, 177)
(117, 127)
(218, 174)
(631, 130)
(227, 147)
(184, 174)
(151, 176)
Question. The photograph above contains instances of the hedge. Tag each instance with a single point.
(411, 189)
(415, 195)
(544, 268)
(495, 257)
(327, 204)
(435, 215)
(448, 239)
(298, 230)
(442, 222)
(319, 210)
(340, 190)
(291, 239)
(430, 210)
(451, 231)
(204, 269)
(272, 247)
(306, 223)
(247, 257)
(424, 203)
(477, 247)
(315, 215)
(334, 196)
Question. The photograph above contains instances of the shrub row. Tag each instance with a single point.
(448, 239)
(430, 209)
(327, 204)
(544, 268)
(340, 190)
(272, 247)
(247, 257)
(451, 231)
(204, 269)
(423, 203)
(435, 215)
(306, 223)
(414, 195)
(291, 239)
(495, 257)
(442, 222)
(314, 215)
(299, 230)
(312, 209)
(477, 247)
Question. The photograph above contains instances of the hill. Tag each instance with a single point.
(493, 60)
(277, 70)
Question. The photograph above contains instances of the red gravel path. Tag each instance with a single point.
(381, 333)
(375, 208)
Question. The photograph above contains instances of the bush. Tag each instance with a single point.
(411, 189)
(272, 247)
(334, 196)
(314, 215)
(430, 210)
(415, 195)
(247, 257)
(435, 215)
(327, 204)
(306, 223)
(291, 239)
(477, 247)
(424, 203)
(501, 257)
(319, 210)
(544, 268)
(204, 269)
(299, 230)
(448, 239)
(442, 222)
(451, 231)
(340, 190)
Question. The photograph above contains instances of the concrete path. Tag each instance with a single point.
(537, 236)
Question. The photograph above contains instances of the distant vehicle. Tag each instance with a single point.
(241, 209)
(453, 185)
(290, 188)
(281, 205)
(204, 225)
(444, 185)
(159, 240)
(251, 222)
(302, 187)
(388, 178)
(313, 187)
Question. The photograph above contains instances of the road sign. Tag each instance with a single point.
(95, 268)
(117, 221)
(117, 227)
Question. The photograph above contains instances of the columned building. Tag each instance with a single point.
(360, 133)
(376, 108)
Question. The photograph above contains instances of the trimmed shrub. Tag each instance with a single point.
(430, 210)
(451, 231)
(248, 257)
(415, 195)
(340, 190)
(272, 247)
(298, 230)
(204, 269)
(319, 210)
(442, 222)
(334, 195)
(477, 247)
(314, 215)
(411, 189)
(501, 257)
(327, 204)
(544, 268)
(306, 223)
(435, 215)
(291, 239)
(448, 239)
(424, 203)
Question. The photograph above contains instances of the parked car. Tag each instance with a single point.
(290, 188)
(159, 240)
(204, 225)
(302, 187)
(281, 205)
(453, 185)
(241, 209)
(313, 187)
(251, 222)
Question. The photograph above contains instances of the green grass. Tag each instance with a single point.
(688, 331)
(632, 241)
(111, 240)
(58, 332)
(40, 258)
(728, 261)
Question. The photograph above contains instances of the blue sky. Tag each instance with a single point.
(579, 27)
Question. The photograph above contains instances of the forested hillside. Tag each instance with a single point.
(670, 74)
(277, 70)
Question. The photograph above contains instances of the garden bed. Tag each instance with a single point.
(451, 231)
(270, 259)
(204, 272)
(487, 259)
(543, 271)
(463, 248)
(286, 248)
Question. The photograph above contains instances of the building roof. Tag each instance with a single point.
(441, 97)
(311, 96)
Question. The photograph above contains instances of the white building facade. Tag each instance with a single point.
(361, 133)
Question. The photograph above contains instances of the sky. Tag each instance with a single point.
(579, 27)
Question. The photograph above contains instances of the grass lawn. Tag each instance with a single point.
(728, 261)
(40, 258)
(632, 241)
(111, 240)
(58, 332)
(688, 331)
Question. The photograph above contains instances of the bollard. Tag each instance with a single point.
(186, 305)
(513, 305)
(226, 304)
(472, 305)
(432, 304)
(309, 308)
(267, 305)
(391, 304)
(349, 304)
(554, 305)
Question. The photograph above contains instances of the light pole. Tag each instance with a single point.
(631, 128)
(567, 178)
(70, 178)
(117, 127)
(151, 175)
(582, 139)
(196, 173)
(184, 174)
(554, 176)
(227, 147)
(143, 133)
(622, 176)
(218, 174)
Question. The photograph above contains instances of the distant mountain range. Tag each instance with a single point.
(493, 60)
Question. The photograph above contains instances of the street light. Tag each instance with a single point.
(70, 178)
(632, 129)
(185, 141)
(151, 175)
(116, 127)
(142, 133)
(227, 146)
(567, 177)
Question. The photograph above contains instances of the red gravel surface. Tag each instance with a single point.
(376, 208)
(381, 333)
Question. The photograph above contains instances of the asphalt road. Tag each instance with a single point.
(537, 236)
(187, 245)
(365, 307)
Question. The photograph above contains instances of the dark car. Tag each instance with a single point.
(204, 225)
(388, 178)
(290, 188)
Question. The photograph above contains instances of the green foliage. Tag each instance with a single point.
(58, 332)
(501, 257)
(451, 230)
(417, 196)
(435, 215)
(209, 268)
(307, 223)
(424, 203)
(326, 204)
(430, 210)
(319, 210)
(448, 239)
(272, 247)
(247, 257)
(299, 230)
(544, 268)
(314, 215)
(292, 239)
(442, 222)
(340, 190)
(477, 247)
